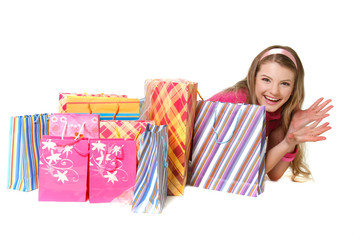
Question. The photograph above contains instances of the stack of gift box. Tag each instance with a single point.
(111, 148)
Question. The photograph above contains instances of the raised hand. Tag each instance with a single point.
(304, 126)
(317, 111)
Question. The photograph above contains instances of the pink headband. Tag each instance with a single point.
(279, 51)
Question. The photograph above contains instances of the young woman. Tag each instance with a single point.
(276, 80)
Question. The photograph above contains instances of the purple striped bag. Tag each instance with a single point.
(228, 151)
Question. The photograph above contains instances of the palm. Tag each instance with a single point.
(304, 124)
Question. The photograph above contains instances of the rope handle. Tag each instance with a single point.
(232, 132)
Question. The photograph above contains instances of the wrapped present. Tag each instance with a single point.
(63, 98)
(73, 125)
(109, 108)
(112, 170)
(63, 169)
(151, 177)
(123, 129)
(172, 102)
(24, 150)
(228, 151)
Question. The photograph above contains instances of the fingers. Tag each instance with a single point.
(324, 104)
(310, 133)
(315, 104)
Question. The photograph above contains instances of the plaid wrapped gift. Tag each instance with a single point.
(172, 102)
(123, 129)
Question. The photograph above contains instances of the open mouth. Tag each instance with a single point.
(272, 99)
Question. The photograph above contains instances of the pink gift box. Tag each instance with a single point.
(72, 124)
(112, 170)
(63, 169)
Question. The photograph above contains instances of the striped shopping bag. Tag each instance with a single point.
(172, 102)
(24, 150)
(228, 151)
(151, 177)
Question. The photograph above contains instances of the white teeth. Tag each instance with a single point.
(272, 99)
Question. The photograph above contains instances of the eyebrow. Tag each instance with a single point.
(285, 80)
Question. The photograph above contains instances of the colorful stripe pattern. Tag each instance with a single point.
(24, 150)
(151, 178)
(173, 103)
(229, 148)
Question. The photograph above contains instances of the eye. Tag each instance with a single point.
(265, 79)
(286, 84)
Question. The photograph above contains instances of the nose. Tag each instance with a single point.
(274, 89)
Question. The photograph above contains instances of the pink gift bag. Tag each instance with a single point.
(63, 169)
(112, 170)
(73, 124)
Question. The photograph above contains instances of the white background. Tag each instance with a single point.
(47, 47)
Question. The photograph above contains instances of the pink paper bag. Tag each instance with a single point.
(112, 170)
(72, 124)
(63, 169)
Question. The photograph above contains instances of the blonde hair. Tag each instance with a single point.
(300, 170)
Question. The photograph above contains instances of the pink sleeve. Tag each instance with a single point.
(230, 97)
(289, 157)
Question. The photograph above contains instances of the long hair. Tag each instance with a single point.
(300, 170)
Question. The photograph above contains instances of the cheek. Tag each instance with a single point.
(286, 93)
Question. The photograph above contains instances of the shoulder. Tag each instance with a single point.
(239, 96)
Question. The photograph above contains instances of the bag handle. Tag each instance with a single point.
(114, 163)
(216, 133)
(117, 111)
(141, 147)
(77, 136)
(74, 146)
(199, 95)
(165, 152)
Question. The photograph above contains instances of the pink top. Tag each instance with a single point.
(273, 119)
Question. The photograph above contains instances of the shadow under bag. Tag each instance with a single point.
(229, 145)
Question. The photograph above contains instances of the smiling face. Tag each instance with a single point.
(274, 85)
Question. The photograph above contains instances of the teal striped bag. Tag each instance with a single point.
(151, 177)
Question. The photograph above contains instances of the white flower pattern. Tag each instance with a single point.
(103, 158)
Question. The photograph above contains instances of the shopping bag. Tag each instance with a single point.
(63, 98)
(109, 108)
(123, 129)
(74, 125)
(63, 169)
(112, 170)
(24, 150)
(172, 102)
(151, 177)
(228, 150)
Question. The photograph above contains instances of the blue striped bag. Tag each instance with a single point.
(228, 151)
(24, 150)
(151, 177)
